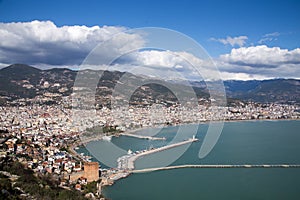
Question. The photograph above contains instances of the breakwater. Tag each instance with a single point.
(127, 161)
(217, 166)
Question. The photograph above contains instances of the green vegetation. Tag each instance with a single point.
(95, 129)
(40, 187)
(110, 129)
(7, 191)
(103, 129)
(66, 149)
(2, 101)
(90, 187)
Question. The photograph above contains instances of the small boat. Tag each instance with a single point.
(129, 152)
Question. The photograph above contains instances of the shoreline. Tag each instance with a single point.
(132, 131)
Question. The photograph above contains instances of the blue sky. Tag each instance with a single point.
(211, 23)
(200, 20)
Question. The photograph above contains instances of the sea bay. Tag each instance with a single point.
(243, 142)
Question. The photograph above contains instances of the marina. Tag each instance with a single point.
(249, 158)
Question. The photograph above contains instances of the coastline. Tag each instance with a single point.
(124, 174)
(131, 132)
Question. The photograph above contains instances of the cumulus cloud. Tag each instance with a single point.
(245, 63)
(159, 58)
(167, 65)
(170, 59)
(45, 45)
(262, 61)
(42, 42)
(233, 41)
(264, 56)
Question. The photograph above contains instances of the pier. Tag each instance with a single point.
(217, 166)
(124, 173)
(127, 161)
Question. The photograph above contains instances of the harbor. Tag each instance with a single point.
(128, 165)
(126, 162)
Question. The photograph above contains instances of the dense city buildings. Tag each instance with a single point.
(43, 137)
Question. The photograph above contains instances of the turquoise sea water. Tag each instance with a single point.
(251, 142)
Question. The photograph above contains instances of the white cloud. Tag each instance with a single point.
(167, 65)
(262, 56)
(242, 76)
(233, 41)
(274, 34)
(245, 63)
(158, 58)
(42, 42)
(269, 37)
(45, 45)
(262, 61)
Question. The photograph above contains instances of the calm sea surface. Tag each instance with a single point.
(251, 142)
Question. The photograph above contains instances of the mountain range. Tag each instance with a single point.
(23, 81)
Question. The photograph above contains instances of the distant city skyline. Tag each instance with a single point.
(246, 39)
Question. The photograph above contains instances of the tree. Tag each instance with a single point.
(90, 187)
